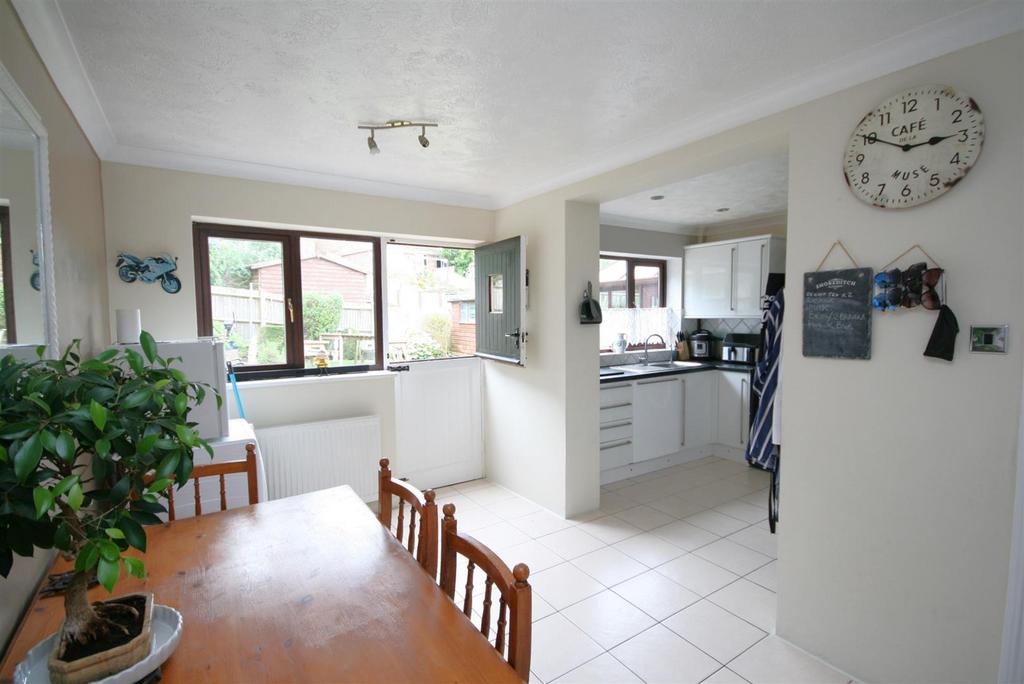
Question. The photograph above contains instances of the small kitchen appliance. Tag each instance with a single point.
(741, 348)
(700, 344)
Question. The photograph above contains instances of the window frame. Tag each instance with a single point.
(8, 268)
(631, 264)
(290, 240)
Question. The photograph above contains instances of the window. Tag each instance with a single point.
(431, 307)
(496, 288)
(627, 282)
(289, 302)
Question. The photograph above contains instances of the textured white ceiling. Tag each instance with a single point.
(750, 191)
(525, 93)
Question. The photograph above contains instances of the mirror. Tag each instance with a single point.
(27, 304)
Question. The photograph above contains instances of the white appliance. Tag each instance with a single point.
(202, 360)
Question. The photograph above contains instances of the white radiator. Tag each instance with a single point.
(310, 456)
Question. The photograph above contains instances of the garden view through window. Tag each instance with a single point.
(285, 300)
(632, 296)
(431, 302)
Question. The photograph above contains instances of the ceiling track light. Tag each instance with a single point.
(396, 123)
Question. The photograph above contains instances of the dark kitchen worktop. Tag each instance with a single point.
(628, 375)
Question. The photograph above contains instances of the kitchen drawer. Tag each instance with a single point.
(616, 454)
(616, 413)
(616, 431)
(616, 394)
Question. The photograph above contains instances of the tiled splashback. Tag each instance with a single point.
(720, 327)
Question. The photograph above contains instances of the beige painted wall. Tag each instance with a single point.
(77, 207)
(150, 211)
(898, 472)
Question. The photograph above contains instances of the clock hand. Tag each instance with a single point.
(934, 140)
(877, 139)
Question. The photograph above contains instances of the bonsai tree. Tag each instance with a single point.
(87, 451)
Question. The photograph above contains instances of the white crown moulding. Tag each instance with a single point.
(49, 33)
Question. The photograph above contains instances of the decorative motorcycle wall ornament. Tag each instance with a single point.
(150, 270)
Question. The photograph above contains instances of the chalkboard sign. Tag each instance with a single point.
(837, 313)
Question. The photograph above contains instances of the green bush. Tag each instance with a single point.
(439, 327)
(271, 345)
(321, 313)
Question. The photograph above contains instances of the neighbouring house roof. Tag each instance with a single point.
(323, 257)
(462, 298)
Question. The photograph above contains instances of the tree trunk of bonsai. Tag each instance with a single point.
(85, 622)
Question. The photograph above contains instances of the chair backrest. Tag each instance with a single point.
(247, 466)
(422, 546)
(515, 603)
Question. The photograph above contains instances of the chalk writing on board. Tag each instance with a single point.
(837, 314)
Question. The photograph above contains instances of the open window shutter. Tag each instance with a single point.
(500, 300)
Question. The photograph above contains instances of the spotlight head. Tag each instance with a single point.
(372, 144)
(424, 143)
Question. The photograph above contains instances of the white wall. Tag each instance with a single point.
(898, 472)
(18, 176)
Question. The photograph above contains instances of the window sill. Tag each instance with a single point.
(340, 377)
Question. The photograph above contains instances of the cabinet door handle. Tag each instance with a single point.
(732, 279)
(655, 382)
(612, 445)
(683, 443)
(620, 423)
(743, 391)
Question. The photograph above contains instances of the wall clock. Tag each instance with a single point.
(914, 147)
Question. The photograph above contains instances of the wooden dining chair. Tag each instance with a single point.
(422, 546)
(515, 602)
(247, 466)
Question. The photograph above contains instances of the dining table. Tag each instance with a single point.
(309, 588)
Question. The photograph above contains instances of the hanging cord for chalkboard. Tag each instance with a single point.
(907, 251)
(838, 243)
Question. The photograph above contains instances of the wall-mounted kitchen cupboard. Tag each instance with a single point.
(727, 279)
(651, 423)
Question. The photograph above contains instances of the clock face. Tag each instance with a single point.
(914, 147)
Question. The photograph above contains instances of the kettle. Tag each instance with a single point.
(700, 344)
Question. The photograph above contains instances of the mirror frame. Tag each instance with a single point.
(44, 236)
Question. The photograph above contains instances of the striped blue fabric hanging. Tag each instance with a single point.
(760, 449)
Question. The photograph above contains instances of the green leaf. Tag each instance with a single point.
(65, 446)
(134, 361)
(75, 496)
(135, 567)
(102, 446)
(3, 454)
(62, 537)
(43, 499)
(160, 384)
(87, 557)
(27, 458)
(178, 375)
(114, 533)
(146, 444)
(144, 518)
(35, 399)
(133, 532)
(104, 357)
(181, 404)
(186, 434)
(95, 366)
(49, 441)
(119, 492)
(64, 485)
(168, 465)
(108, 573)
(158, 485)
(109, 550)
(148, 346)
(136, 399)
(99, 414)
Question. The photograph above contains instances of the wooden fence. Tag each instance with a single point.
(250, 310)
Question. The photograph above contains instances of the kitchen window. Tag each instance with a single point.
(633, 283)
(290, 303)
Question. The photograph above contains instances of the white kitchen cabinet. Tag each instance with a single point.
(727, 279)
(657, 413)
(733, 408)
(707, 280)
(700, 408)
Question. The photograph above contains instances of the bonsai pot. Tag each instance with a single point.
(95, 664)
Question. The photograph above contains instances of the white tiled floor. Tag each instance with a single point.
(672, 580)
